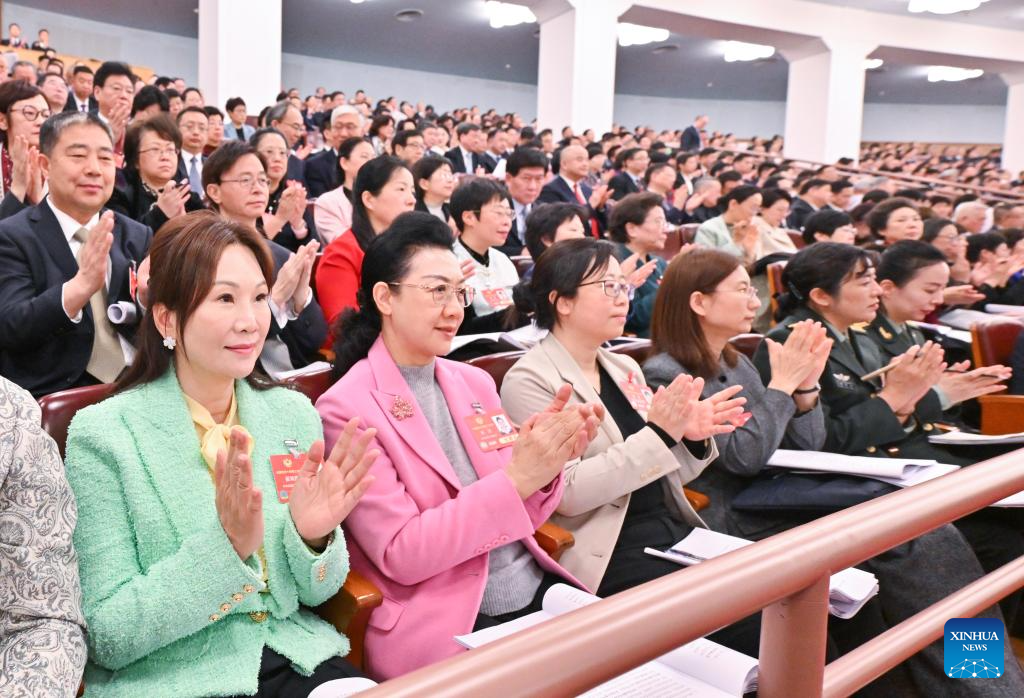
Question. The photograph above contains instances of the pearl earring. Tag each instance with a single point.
(170, 343)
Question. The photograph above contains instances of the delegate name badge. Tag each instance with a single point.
(492, 430)
(973, 648)
(286, 469)
(638, 394)
(497, 298)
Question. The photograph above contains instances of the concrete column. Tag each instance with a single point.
(240, 51)
(576, 75)
(825, 100)
(1013, 134)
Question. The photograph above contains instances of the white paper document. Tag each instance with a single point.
(902, 472)
(1001, 309)
(946, 331)
(849, 589)
(701, 669)
(963, 438)
(522, 337)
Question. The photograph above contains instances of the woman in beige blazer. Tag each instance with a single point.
(627, 490)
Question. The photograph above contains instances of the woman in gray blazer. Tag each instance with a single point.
(705, 300)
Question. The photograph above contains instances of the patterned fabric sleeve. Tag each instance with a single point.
(42, 639)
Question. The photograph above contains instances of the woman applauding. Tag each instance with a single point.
(196, 559)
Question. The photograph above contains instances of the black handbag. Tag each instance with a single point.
(793, 493)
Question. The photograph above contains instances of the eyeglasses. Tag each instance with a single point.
(613, 289)
(749, 291)
(161, 152)
(294, 126)
(194, 126)
(31, 113)
(503, 211)
(249, 182)
(442, 293)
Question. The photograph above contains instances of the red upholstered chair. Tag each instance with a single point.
(637, 349)
(59, 409)
(522, 262)
(746, 344)
(992, 343)
(688, 232)
(313, 385)
(497, 364)
(672, 245)
(798, 238)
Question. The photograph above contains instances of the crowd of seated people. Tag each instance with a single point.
(191, 261)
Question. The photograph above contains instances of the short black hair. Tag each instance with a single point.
(522, 158)
(544, 221)
(813, 183)
(401, 138)
(739, 195)
(79, 69)
(233, 103)
(472, 194)
(824, 265)
(191, 110)
(147, 97)
(187, 90)
(109, 69)
(771, 195)
(213, 111)
(825, 221)
(425, 168)
(840, 184)
(558, 273)
(980, 242)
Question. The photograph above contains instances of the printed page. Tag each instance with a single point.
(482, 637)
(704, 544)
(849, 590)
(964, 319)
(1001, 309)
(916, 474)
(526, 336)
(654, 680)
(729, 671)
(562, 598)
(462, 340)
(959, 335)
(837, 463)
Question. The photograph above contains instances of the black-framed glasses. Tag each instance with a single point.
(442, 293)
(613, 289)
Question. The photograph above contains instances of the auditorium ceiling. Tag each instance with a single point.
(453, 36)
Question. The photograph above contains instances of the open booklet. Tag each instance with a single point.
(522, 337)
(901, 472)
(701, 669)
(848, 591)
(964, 319)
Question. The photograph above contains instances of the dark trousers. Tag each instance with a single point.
(278, 679)
(535, 605)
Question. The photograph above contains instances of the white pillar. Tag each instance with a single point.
(576, 74)
(240, 51)
(825, 101)
(1013, 134)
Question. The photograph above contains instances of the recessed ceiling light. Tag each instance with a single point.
(638, 35)
(408, 15)
(507, 14)
(944, 7)
(742, 51)
(945, 73)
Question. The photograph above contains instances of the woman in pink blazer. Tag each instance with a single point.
(332, 212)
(446, 528)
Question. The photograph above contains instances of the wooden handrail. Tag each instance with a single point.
(32, 55)
(914, 179)
(785, 570)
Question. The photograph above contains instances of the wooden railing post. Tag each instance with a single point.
(794, 634)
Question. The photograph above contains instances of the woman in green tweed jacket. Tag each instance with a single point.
(193, 579)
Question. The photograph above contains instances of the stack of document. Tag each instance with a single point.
(702, 668)
(964, 319)
(521, 338)
(902, 472)
(848, 591)
(964, 438)
(946, 331)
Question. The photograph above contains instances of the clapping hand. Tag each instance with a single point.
(327, 491)
(959, 383)
(637, 275)
(172, 198)
(239, 502)
(913, 374)
(292, 283)
(798, 363)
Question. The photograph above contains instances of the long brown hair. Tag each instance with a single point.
(675, 328)
(183, 260)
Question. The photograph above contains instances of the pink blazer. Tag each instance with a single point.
(417, 533)
(332, 214)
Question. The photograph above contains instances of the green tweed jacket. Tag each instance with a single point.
(171, 609)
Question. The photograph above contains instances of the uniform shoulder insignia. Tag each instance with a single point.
(859, 327)
(886, 334)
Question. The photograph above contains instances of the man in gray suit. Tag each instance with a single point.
(42, 630)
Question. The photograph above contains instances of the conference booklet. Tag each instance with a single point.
(848, 591)
(698, 669)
